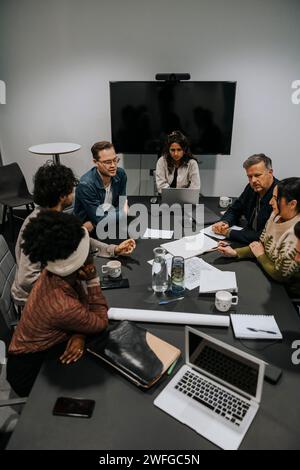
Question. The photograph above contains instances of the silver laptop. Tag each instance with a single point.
(217, 392)
(180, 196)
(188, 196)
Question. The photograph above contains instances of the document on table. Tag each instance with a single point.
(155, 233)
(212, 281)
(192, 270)
(208, 231)
(187, 247)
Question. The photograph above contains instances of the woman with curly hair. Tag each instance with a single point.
(53, 190)
(276, 251)
(177, 168)
(59, 311)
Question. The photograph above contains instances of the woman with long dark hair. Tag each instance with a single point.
(177, 168)
(277, 249)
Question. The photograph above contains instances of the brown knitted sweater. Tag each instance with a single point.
(54, 311)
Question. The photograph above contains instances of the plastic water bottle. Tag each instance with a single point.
(160, 281)
(177, 275)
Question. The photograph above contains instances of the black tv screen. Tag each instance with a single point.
(143, 113)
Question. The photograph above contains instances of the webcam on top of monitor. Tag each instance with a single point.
(172, 77)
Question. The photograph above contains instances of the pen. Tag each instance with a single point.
(167, 301)
(171, 368)
(262, 331)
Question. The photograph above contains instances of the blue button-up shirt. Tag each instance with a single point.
(90, 194)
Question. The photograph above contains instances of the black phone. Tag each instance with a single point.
(272, 374)
(77, 407)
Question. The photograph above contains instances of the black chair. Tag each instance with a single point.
(8, 320)
(13, 193)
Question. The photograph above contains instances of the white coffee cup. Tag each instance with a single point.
(224, 300)
(112, 269)
(225, 201)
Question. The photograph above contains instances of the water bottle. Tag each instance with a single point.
(177, 275)
(160, 282)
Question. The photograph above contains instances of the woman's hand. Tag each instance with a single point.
(125, 248)
(226, 250)
(87, 272)
(74, 349)
(257, 249)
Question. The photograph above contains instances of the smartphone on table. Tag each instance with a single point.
(77, 407)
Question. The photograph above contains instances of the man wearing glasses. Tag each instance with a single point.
(253, 203)
(100, 188)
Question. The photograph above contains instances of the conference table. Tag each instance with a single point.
(125, 416)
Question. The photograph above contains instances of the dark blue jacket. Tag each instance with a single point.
(90, 194)
(245, 206)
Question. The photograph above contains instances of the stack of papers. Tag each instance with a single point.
(212, 281)
(187, 247)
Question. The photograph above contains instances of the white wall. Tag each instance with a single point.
(58, 56)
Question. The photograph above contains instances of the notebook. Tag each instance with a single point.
(255, 327)
(136, 353)
(212, 281)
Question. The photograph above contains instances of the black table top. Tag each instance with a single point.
(124, 416)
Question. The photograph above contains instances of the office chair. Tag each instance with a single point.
(13, 193)
(8, 319)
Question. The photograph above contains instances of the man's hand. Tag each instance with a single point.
(125, 248)
(74, 349)
(89, 226)
(226, 250)
(257, 249)
(220, 228)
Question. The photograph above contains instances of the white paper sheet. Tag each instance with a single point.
(188, 247)
(212, 281)
(208, 231)
(193, 268)
(157, 316)
(154, 233)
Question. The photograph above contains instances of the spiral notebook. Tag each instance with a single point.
(255, 327)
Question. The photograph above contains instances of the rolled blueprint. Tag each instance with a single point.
(157, 316)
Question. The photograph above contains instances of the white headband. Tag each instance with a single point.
(65, 267)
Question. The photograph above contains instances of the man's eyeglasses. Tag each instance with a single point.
(115, 161)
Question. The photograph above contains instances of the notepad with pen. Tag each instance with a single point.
(255, 326)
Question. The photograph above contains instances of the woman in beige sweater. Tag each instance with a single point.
(177, 168)
(277, 248)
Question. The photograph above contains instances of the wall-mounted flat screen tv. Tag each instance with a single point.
(143, 113)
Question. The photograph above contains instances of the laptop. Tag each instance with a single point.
(217, 392)
(188, 196)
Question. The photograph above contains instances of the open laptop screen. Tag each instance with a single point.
(223, 364)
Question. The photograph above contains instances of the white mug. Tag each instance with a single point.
(225, 201)
(224, 300)
(112, 269)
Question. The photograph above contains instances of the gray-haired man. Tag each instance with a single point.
(253, 203)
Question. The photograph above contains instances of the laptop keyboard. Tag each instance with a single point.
(215, 398)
